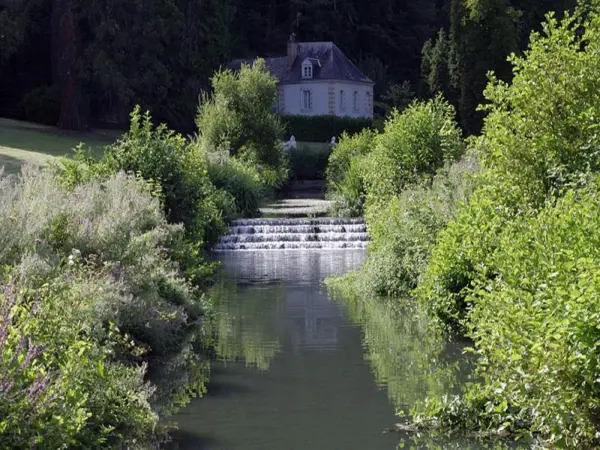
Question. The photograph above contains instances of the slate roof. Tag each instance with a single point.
(334, 64)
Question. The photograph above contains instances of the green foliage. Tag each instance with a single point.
(93, 295)
(438, 66)
(239, 182)
(404, 231)
(413, 143)
(541, 132)
(344, 173)
(535, 328)
(462, 249)
(238, 117)
(163, 156)
(371, 168)
(539, 138)
(349, 148)
(167, 160)
(60, 386)
(309, 160)
(322, 128)
(517, 268)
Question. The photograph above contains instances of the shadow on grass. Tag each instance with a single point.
(48, 143)
(10, 164)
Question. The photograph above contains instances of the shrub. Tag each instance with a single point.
(59, 386)
(539, 139)
(322, 128)
(344, 176)
(405, 230)
(535, 327)
(371, 168)
(348, 195)
(160, 155)
(413, 143)
(517, 268)
(239, 118)
(239, 182)
(110, 299)
(115, 223)
(541, 131)
(462, 249)
(42, 105)
(178, 177)
(348, 149)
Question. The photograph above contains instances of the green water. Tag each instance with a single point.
(298, 370)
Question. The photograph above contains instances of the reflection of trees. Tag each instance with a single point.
(404, 354)
(413, 362)
(245, 322)
(178, 378)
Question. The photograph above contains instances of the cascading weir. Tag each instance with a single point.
(305, 233)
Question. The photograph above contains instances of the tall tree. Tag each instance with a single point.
(66, 48)
(438, 67)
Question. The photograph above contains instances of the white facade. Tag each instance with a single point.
(326, 97)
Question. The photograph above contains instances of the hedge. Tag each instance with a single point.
(322, 128)
(309, 161)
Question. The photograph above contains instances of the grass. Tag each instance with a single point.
(23, 142)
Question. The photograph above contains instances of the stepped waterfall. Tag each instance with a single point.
(305, 233)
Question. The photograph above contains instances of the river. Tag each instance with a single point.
(297, 369)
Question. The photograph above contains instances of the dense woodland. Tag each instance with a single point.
(76, 63)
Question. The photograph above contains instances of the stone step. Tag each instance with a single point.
(297, 221)
(306, 229)
(293, 237)
(291, 245)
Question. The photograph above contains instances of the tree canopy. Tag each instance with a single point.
(96, 60)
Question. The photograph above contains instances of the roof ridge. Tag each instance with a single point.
(333, 62)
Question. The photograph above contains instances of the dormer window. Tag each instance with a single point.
(307, 70)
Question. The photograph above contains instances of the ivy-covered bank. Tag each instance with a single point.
(503, 245)
(104, 320)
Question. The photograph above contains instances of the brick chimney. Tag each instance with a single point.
(292, 49)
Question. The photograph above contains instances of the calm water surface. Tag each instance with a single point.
(298, 370)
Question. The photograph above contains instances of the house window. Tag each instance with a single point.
(307, 71)
(306, 99)
(342, 100)
(368, 104)
(355, 101)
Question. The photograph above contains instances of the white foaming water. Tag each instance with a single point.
(275, 234)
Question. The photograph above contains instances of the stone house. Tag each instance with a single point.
(316, 78)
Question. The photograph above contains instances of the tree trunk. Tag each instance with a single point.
(65, 53)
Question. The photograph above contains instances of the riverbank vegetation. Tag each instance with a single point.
(502, 246)
(105, 326)
(90, 298)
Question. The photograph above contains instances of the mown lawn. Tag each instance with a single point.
(22, 142)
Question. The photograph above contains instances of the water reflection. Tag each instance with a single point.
(249, 329)
(406, 355)
(276, 303)
(296, 370)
